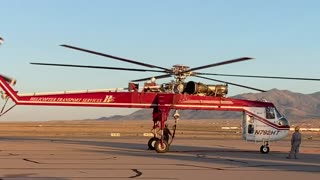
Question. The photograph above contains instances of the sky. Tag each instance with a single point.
(282, 37)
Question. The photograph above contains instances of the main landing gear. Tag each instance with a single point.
(161, 147)
(155, 144)
(264, 149)
(161, 141)
(152, 142)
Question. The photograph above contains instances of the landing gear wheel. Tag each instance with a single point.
(264, 149)
(151, 142)
(161, 148)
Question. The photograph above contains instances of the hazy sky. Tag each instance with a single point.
(282, 36)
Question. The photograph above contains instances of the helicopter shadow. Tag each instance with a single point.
(228, 158)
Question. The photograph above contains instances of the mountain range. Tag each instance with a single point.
(293, 105)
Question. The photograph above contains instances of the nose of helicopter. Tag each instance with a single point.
(285, 127)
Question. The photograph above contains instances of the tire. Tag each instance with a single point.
(161, 148)
(264, 149)
(151, 143)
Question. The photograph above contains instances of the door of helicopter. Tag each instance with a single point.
(248, 126)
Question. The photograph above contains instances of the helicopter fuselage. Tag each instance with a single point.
(261, 120)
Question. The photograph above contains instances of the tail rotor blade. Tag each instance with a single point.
(9, 79)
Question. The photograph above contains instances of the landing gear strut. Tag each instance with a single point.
(160, 141)
(264, 149)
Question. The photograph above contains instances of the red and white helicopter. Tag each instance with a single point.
(261, 121)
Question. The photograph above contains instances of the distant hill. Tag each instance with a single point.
(293, 105)
(316, 95)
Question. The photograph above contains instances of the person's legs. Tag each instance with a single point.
(296, 151)
(291, 153)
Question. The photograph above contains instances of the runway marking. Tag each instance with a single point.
(138, 173)
(31, 161)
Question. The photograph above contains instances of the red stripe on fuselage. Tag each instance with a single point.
(265, 121)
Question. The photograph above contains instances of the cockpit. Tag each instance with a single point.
(273, 113)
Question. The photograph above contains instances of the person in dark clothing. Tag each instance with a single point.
(295, 143)
(166, 133)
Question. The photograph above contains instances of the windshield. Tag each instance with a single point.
(279, 115)
(283, 121)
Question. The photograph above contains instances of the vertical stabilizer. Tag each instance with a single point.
(5, 84)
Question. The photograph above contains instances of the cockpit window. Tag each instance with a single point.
(270, 112)
(283, 121)
(279, 115)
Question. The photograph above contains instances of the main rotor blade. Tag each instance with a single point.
(115, 57)
(270, 77)
(97, 67)
(157, 77)
(231, 83)
(220, 63)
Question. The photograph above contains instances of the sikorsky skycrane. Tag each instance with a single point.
(261, 121)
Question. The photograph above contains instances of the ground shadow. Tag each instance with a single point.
(227, 158)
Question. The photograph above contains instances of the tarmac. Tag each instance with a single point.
(32, 158)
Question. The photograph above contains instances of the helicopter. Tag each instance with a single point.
(261, 120)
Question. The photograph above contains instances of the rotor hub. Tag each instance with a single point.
(181, 72)
(179, 68)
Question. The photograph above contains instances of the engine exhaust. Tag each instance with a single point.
(206, 90)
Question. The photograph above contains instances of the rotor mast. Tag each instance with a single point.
(180, 72)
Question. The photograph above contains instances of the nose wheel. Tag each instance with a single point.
(264, 149)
